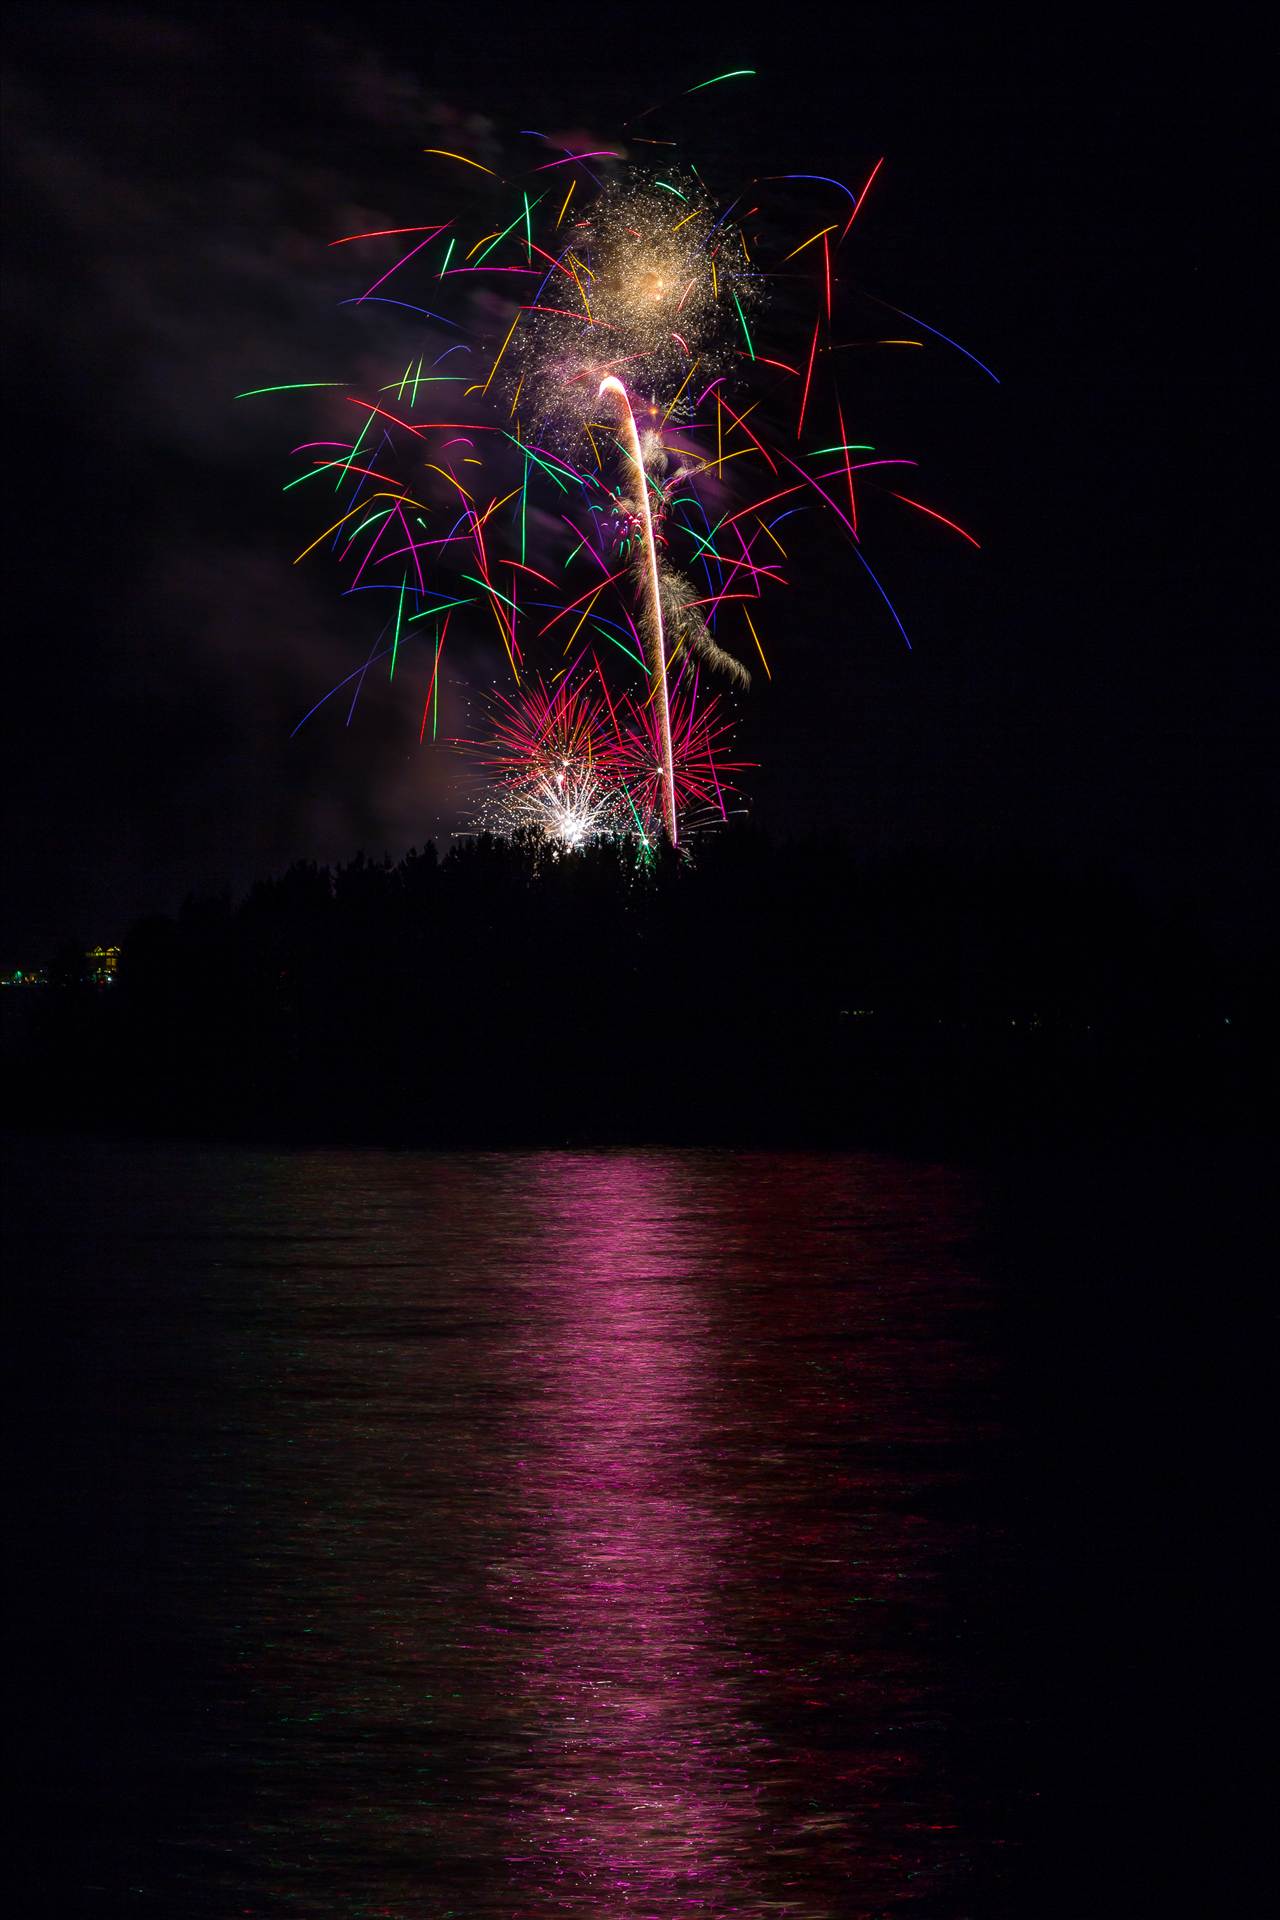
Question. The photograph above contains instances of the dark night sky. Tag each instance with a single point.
(1058, 194)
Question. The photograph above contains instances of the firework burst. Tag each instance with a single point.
(551, 767)
(620, 389)
(701, 766)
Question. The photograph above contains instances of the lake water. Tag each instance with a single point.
(515, 1534)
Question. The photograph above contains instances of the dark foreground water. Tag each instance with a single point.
(584, 1534)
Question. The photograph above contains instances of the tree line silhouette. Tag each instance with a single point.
(508, 993)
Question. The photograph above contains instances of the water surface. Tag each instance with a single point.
(514, 1534)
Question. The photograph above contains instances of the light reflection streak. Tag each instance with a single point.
(647, 1767)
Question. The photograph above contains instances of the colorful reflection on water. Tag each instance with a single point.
(546, 1534)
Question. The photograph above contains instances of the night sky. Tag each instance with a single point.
(1058, 194)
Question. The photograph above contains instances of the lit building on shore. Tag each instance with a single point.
(101, 964)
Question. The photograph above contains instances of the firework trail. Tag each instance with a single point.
(655, 641)
(619, 389)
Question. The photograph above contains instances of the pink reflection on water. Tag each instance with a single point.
(646, 1777)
